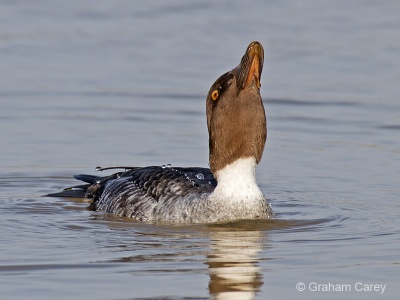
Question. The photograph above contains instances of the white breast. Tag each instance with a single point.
(237, 182)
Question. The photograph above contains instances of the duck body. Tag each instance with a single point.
(227, 191)
(170, 194)
(174, 195)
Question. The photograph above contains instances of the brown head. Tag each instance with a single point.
(236, 120)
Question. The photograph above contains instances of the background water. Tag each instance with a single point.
(88, 83)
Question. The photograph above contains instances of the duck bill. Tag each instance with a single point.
(250, 68)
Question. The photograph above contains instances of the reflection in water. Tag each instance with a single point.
(233, 264)
(232, 252)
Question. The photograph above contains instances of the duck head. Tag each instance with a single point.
(236, 119)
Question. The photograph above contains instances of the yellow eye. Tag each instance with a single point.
(215, 95)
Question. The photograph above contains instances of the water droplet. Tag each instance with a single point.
(163, 166)
(200, 176)
(169, 165)
(98, 181)
(98, 169)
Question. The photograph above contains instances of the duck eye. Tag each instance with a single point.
(215, 95)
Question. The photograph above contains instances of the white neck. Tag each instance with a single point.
(237, 182)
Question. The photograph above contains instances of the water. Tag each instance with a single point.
(100, 83)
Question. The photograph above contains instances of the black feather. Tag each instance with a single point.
(150, 183)
(69, 193)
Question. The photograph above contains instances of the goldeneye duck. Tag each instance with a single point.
(226, 191)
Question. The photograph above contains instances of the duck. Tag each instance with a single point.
(226, 191)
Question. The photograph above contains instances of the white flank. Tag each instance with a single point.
(237, 182)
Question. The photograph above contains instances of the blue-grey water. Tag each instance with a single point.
(104, 83)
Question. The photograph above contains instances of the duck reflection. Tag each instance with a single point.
(232, 252)
(233, 264)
